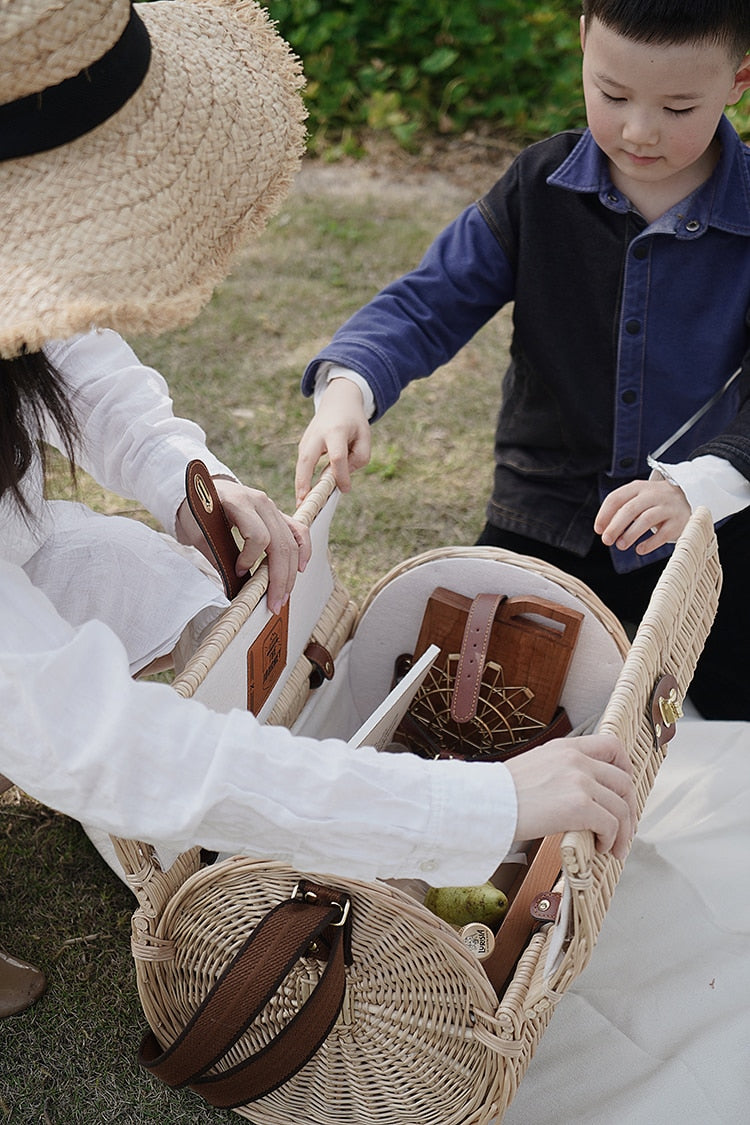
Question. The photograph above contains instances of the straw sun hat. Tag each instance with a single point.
(139, 147)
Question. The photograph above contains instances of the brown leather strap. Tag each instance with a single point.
(203, 501)
(318, 915)
(473, 656)
(323, 666)
(519, 923)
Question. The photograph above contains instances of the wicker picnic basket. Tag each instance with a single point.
(421, 1035)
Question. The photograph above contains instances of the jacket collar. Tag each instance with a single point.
(722, 202)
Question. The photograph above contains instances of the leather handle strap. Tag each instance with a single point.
(284, 935)
(203, 501)
(519, 923)
(473, 657)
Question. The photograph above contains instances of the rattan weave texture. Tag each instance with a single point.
(422, 1036)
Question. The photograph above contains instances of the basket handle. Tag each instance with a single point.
(520, 606)
(315, 921)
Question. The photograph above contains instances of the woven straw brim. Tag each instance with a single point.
(132, 225)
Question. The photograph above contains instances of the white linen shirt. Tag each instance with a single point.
(133, 759)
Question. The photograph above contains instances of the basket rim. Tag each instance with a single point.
(573, 586)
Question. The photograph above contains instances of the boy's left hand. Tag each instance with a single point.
(655, 508)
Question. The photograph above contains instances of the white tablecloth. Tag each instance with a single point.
(656, 1030)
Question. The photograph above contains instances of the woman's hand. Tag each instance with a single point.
(340, 429)
(576, 783)
(264, 529)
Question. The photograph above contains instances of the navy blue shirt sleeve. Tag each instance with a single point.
(420, 321)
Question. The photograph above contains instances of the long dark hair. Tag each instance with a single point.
(32, 392)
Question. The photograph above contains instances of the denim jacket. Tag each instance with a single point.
(621, 330)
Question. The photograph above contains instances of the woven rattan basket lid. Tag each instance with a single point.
(415, 1015)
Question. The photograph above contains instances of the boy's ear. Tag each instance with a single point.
(582, 31)
(741, 81)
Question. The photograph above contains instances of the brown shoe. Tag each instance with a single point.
(20, 984)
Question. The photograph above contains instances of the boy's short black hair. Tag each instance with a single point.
(725, 22)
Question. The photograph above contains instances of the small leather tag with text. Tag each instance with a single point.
(266, 660)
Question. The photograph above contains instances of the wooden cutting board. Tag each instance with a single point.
(533, 640)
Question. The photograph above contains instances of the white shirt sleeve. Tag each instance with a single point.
(135, 760)
(328, 371)
(132, 442)
(710, 482)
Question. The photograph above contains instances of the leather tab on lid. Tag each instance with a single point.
(544, 906)
(203, 501)
(323, 666)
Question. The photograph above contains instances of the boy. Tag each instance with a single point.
(626, 252)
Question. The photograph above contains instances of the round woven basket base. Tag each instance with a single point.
(404, 1049)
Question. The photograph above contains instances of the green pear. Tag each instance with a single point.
(461, 905)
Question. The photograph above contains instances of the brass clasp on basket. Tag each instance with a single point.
(666, 709)
(670, 708)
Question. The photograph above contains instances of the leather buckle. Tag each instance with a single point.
(313, 894)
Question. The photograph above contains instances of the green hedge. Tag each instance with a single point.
(415, 66)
